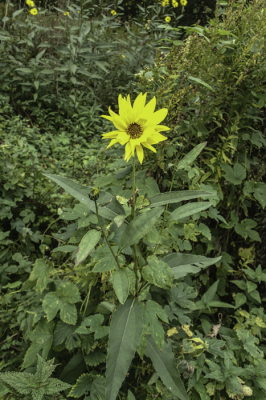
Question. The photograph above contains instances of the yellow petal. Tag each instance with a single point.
(118, 121)
(114, 141)
(110, 135)
(150, 107)
(107, 117)
(139, 104)
(140, 153)
(128, 152)
(162, 128)
(157, 137)
(145, 144)
(157, 117)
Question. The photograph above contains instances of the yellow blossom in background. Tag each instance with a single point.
(34, 11)
(113, 12)
(123, 56)
(30, 3)
(183, 2)
(137, 126)
(167, 19)
(66, 13)
(174, 3)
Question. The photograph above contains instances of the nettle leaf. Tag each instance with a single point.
(63, 299)
(41, 273)
(158, 273)
(88, 242)
(164, 364)
(236, 175)
(42, 339)
(89, 383)
(124, 338)
(139, 227)
(94, 322)
(250, 343)
(260, 193)
(183, 295)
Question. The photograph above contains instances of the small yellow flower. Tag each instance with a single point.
(113, 12)
(167, 19)
(123, 56)
(34, 11)
(30, 3)
(66, 13)
(174, 3)
(137, 126)
(183, 2)
(78, 11)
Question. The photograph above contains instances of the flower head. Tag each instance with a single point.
(34, 11)
(113, 12)
(30, 3)
(66, 13)
(174, 3)
(137, 126)
(183, 2)
(167, 19)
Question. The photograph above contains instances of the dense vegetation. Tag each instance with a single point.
(129, 278)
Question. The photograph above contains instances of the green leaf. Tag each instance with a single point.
(42, 339)
(191, 78)
(201, 389)
(88, 242)
(63, 299)
(25, 70)
(94, 322)
(240, 299)
(234, 175)
(65, 332)
(74, 368)
(121, 285)
(176, 197)
(152, 326)
(181, 264)
(158, 273)
(139, 227)
(255, 295)
(105, 260)
(16, 13)
(191, 156)
(164, 364)
(250, 343)
(80, 193)
(233, 384)
(41, 273)
(189, 209)
(130, 395)
(89, 383)
(124, 338)
(65, 249)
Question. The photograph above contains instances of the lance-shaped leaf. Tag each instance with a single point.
(124, 338)
(189, 209)
(111, 209)
(164, 364)
(191, 156)
(139, 227)
(88, 242)
(176, 197)
(121, 284)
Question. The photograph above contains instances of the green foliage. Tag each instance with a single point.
(38, 386)
(167, 304)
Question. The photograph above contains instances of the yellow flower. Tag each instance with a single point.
(66, 13)
(174, 3)
(30, 3)
(167, 19)
(183, 2)
(137, 125)
(34, 11)
(113, 12)
(123, 56)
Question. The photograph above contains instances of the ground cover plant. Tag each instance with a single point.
(132, 245)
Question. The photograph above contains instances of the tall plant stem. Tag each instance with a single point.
(115, 257)
(133, 216)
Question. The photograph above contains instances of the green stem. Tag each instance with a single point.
(115, 257)
(133, 216)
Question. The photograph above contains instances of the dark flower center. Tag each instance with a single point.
(134, 131)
